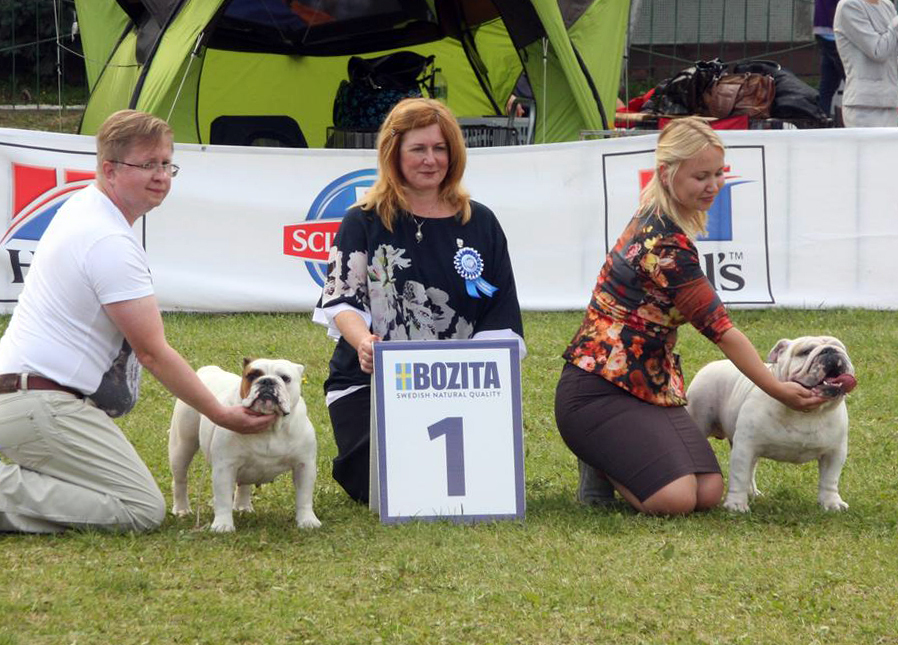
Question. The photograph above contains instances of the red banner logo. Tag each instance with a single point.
(310, 240)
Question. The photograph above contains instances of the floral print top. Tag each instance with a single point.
(411, 290)
(651, 284)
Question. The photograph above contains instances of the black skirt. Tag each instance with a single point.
(640, 445)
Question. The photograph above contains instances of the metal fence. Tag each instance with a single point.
(40, 59)
(667, 35)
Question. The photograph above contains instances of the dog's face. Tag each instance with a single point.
(271, 386)
(820, 363)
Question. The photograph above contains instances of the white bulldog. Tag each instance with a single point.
(725, 404)
(267, 386)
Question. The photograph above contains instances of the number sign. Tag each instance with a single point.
(447, 440)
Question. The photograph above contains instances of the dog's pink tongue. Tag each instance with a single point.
(846, 382)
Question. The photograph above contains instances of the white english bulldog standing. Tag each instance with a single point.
(241, 460)
(727, 405)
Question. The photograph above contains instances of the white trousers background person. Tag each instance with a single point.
(869, 117)
(866, 33)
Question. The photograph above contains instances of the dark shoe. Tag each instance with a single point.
(594, 488)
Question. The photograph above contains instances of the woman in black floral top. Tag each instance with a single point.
(414, 259)
(619, 402)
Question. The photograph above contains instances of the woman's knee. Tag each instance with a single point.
(679, 497)
(710, 491)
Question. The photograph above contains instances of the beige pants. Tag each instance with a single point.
(68, 465)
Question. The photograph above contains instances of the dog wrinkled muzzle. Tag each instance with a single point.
(831, 374)
(266, 399)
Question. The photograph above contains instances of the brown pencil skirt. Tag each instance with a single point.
(642, 446)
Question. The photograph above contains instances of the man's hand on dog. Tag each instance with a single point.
(243, 420)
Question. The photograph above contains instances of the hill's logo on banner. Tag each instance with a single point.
(734, 253)
(446, 380)
(37, 194)
(312, 239)
(720, 216)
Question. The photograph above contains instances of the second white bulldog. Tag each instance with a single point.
(242, 460)
(726, 405)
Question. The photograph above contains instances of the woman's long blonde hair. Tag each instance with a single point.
(682, 139)
(387, 195)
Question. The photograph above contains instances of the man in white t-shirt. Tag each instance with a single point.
(70, 359)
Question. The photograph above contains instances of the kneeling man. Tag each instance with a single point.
(70, 359)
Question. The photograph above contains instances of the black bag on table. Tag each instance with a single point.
(375, 85)
(682, 93)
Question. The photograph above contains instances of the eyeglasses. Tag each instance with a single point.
(169, 169)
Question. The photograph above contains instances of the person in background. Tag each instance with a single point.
(70, 359)
(831, 71)
(522, 90)
(867, 40)
(397, 270)
(619, 401)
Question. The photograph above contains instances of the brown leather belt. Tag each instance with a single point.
(16, 382)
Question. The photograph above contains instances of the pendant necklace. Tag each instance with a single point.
(419, 235)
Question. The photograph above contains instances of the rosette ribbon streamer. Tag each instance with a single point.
(469, 265)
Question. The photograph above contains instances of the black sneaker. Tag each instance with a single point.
(594, 488)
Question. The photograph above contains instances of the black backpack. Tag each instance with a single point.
(682, 93)
(375, 85)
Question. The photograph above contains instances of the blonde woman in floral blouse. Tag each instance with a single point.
(619, 402)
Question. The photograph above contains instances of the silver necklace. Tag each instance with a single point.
(419, 235)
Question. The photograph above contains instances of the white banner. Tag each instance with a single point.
(807, 218)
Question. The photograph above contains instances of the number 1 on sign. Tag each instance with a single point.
(453, 429)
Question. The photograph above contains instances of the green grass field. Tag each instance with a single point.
(66, 121)
(785, 573)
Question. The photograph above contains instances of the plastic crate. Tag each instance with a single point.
(484, 136)
(351, 139)
(523, 126)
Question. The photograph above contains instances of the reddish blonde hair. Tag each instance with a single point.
(387, 196)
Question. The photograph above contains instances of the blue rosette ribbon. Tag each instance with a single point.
(469, 265)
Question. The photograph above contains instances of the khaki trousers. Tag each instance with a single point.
(69, 466)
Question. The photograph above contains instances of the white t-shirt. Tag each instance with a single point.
(88, 257)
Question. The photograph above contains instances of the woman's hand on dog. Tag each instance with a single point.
(798, 397)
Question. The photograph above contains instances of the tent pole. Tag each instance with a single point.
(545, 100)
(193, 54)
(58, 64)
(631, 25)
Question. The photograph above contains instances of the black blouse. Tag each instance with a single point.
(419, 290)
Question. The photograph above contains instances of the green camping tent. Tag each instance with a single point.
(197, 61)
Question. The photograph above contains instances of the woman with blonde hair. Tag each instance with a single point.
(619, 401)
(414, 259)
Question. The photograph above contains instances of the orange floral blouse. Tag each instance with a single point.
(651, 284)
